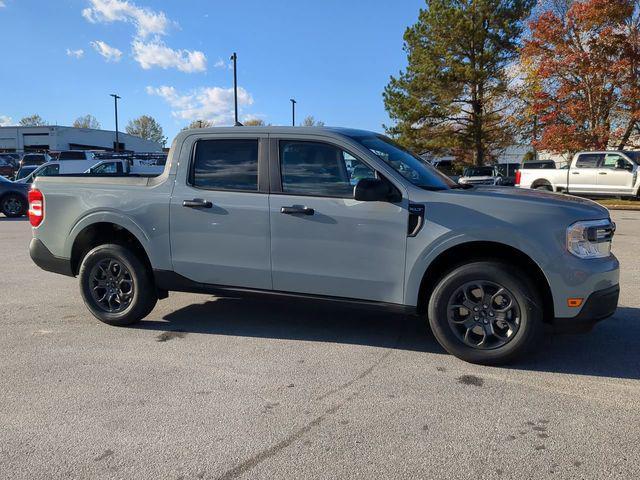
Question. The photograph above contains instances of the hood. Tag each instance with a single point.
(520, 201)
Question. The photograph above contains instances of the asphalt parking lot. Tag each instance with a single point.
(221, 388)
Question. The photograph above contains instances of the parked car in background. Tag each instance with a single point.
(124, 167)
(13, 198)
(68, 162)
(82, 155)
(448, 168)
(36, 159)
(613, 173)
(539, 164)
(478, 176)
(499, 174)
(13, 157)
(7, 168)
(25, 171)
(49, 168)
(506, 173)
(273, 210)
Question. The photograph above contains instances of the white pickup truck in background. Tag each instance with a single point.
(612, 173)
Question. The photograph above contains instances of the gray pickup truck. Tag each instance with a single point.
(337, 214)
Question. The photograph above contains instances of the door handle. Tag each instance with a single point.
(297, 210)
(575, 173)
(602, 173)
(197, 203)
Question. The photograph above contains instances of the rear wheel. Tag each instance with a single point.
(116, 286)
(544, 187)
(485, 312)
(13, 205)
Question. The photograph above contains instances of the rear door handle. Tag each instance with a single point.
(197, 203)
(297, 210)
(575, 173)
(602, 173)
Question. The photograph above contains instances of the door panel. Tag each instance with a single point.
(221, 236)
(346, 248)
(583, 177)
(614, 180)
(323, 241)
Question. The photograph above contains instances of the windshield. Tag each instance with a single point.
(24, 171)
(478, 172)
(416, 170)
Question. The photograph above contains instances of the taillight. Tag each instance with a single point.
(518, 175)
(36, 207)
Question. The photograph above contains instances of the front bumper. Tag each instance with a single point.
(46, 260)
(600, 304)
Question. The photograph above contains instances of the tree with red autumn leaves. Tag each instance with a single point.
(583, 75)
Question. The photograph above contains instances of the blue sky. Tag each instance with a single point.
(62, 58)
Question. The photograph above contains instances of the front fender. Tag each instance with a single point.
(422, 252)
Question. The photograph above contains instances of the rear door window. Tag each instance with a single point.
(225, 165)
(589, 160)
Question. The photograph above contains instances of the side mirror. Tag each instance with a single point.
(372, 190)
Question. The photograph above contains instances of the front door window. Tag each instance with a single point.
(319, 169)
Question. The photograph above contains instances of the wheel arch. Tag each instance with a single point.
(103, 232)
(483, 250)
(539, 182)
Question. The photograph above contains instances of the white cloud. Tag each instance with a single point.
(75, 53)
(146, 21)
(222, 64)
(148, 52)
(107, 51)
(2, 4)
(206, 103)
(157, 54)
(5, 120)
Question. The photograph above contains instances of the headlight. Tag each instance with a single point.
(590, 239)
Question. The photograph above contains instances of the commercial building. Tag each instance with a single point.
(56, 138)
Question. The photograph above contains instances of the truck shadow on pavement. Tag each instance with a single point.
(610, 350)
(300, 319)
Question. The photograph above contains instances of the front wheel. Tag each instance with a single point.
(13, 206)
(485, 312)
(116, 286)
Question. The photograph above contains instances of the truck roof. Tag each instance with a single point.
(341, 131)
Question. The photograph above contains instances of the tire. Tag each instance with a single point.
(546, 188)
(450, 324)
(13, 205)
(116, 269)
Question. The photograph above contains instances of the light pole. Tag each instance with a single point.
(234, 57)
(293, 112)
(115, 100)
